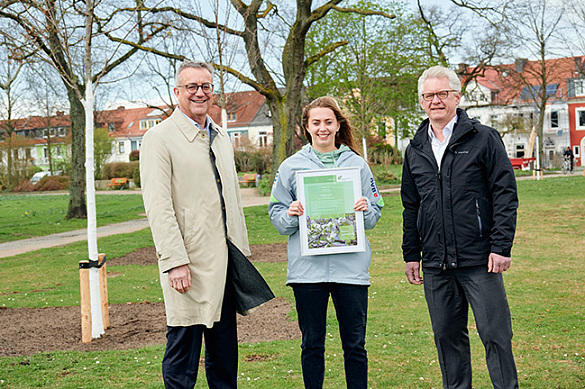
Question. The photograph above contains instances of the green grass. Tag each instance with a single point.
(26, 216)
(545, 287)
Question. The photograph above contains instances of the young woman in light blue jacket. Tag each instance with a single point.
(343, 276)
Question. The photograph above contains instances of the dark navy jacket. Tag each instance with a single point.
(457, 215)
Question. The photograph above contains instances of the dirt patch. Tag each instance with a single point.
(27, 331)
(275, 252)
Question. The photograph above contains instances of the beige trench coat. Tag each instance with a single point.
(184, 212)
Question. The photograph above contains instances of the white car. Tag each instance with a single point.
(38, 175)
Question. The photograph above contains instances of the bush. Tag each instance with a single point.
(265, 184)
(253, 159)
(386, 177)
(383, 154)
(136, 176)
(45, 184)
(53, 183)
(119, 170)
(31, 170)
(134, 155)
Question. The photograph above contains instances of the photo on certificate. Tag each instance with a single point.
(330, 225)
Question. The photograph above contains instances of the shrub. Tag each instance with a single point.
(386, 177)
(45, 184)
(134, 155)
(253, 159)
(119, 170)
(24, 186)
(260, 160)
(136, 176)
(31, 170)
(383, 154)
(53, 183)
(265, 184)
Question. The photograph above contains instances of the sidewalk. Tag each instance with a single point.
(250, 198)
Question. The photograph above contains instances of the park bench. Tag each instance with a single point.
(521, 163)
(248, 179)
(118, 183)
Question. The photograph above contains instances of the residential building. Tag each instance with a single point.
(506, 98)
(37, 139)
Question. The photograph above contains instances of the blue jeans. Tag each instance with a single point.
(351, 305)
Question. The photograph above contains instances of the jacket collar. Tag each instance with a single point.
(189, 130)
(463, 126)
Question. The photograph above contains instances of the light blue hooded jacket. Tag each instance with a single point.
(346, 268)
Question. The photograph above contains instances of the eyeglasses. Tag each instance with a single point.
(193, 88)
(442, 94)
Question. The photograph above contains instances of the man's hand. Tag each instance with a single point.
(180, 278)
(498, 264)
(413, 273)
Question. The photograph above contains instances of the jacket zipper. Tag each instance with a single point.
(478, 218)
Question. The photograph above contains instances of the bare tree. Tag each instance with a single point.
(8, 107)
(283, 95)
(53, 31)
(537, 26)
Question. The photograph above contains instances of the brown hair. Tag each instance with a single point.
(345, 134)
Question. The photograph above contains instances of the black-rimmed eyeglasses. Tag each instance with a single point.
(442, 94)
(206, 87)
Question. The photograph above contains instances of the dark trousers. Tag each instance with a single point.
(449, 294)
(351, 305)
(181, 359)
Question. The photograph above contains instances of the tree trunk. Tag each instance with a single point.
(77, 207)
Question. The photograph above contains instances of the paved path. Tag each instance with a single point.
(250, 198)
(8, 249)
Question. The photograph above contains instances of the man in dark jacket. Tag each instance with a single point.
(459, 197)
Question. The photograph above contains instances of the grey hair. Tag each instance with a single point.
(439, 72)
(191, 64)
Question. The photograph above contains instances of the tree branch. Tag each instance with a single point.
(332, 47)
(363, 12)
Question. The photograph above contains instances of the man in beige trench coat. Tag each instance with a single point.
(192, 200)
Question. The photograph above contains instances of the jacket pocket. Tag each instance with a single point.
(195, 228)
(478, 215)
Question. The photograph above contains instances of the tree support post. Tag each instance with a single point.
(95, 316)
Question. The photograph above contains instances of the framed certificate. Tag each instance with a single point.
(330, 225)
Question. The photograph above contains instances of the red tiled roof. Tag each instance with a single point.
(126, 121)
(505, 80)
(244, 104)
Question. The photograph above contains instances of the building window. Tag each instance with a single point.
(576, 151)
(45, 152)
(121, 147)
(111, 127)
(579, 87)
(57, 151)
(236, 138)
(520, 151)
(580, 117)
(262, 139)
(133, 145)
(147, 124)
(554, 119)
(232, 116)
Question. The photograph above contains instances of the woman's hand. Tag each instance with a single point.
(295, 209)
(361, 205)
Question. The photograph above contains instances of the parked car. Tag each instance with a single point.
(38, 175)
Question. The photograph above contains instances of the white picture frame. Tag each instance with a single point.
(329, 224)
